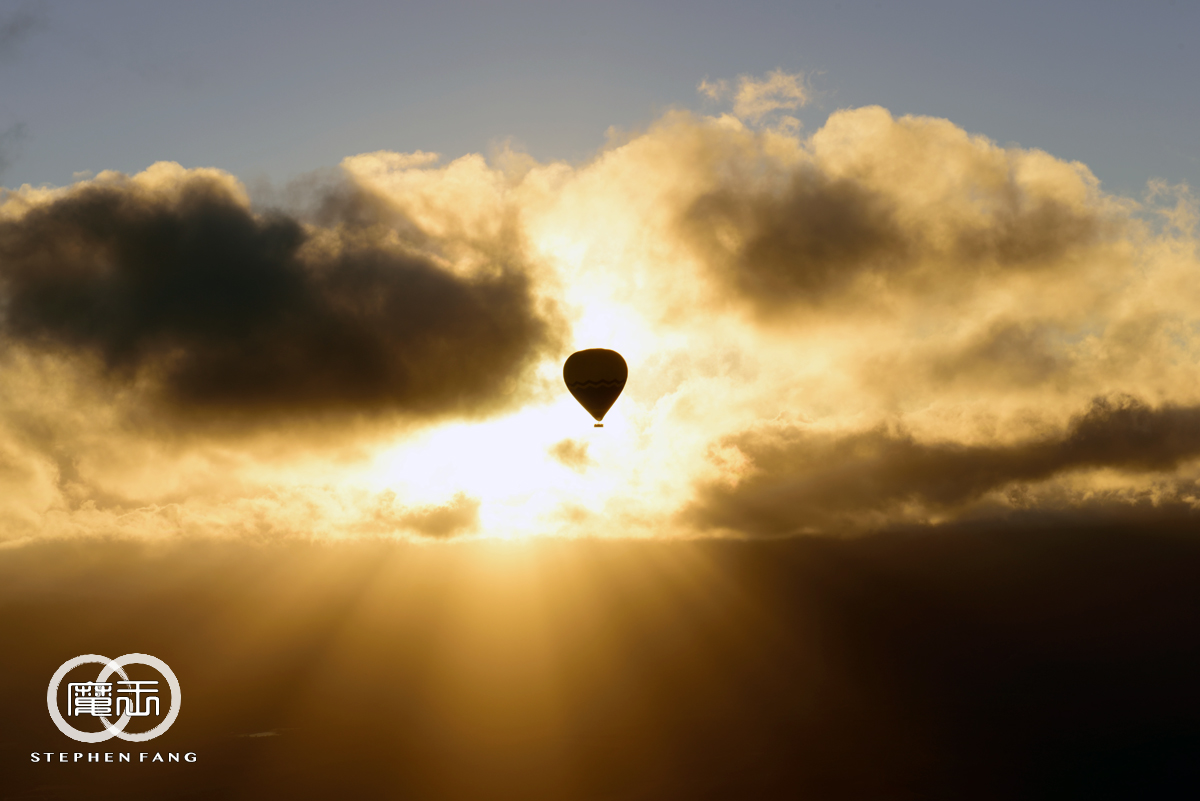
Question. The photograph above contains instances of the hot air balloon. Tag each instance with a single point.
(596, 377)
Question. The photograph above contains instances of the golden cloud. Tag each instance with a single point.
(888, 322)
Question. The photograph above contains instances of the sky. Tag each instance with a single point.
(278, 89)
(907, 295)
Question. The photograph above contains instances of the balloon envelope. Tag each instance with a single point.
(595, 377)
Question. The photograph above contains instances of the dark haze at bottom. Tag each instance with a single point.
(1039, 663)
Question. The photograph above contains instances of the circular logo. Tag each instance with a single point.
(133, 707)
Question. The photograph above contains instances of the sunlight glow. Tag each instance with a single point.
(507, 465)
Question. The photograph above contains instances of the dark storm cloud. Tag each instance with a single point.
(231, 312)
(802, 480)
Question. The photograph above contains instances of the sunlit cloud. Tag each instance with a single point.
(713, 90)
(890, 321)
(755, 98)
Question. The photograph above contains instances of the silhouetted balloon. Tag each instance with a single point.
(596, 377)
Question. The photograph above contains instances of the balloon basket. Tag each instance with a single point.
(598, 425)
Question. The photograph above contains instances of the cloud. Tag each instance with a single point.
(573, 454)
(812, 241)
(1007, 352)
(794, 480)
(181, 292)
(889, 322)
(755, 98)
(713, 90)
(872, 203)
(458, 516)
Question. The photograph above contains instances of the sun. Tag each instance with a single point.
(507, 465)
